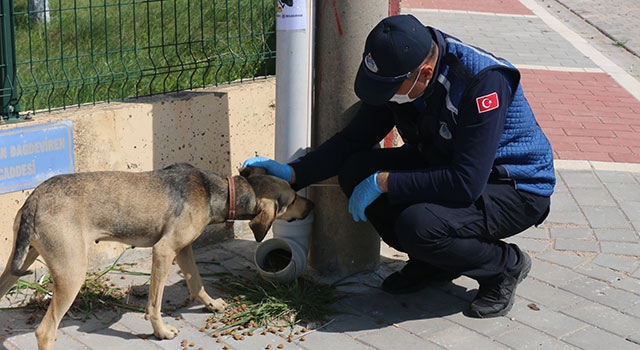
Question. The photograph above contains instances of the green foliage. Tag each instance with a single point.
(260, 303)
(94, 51)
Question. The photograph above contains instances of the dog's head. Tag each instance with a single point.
(275, 199)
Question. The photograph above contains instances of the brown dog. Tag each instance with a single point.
(165, 209)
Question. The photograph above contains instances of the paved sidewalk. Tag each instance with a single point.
(584, 288)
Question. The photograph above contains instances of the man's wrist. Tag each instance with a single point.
(292, 180)
(382, 179)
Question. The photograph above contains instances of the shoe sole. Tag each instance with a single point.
(523, 274)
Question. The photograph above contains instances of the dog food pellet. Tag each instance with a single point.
(177, 318)
(192, 344)
(225, 347)
(304, 330)
(184, 342)
(268, 346)
(123, 277)
(201, 329)
(302, 339)
(219, 340)
(280, 346)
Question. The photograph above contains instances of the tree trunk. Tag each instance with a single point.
(39, 11)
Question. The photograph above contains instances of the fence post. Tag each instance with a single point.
(8, 89)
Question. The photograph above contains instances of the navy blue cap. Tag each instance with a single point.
(394, 48)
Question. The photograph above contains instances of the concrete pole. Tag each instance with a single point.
(339, 246)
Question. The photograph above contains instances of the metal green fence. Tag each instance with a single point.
(99, 51)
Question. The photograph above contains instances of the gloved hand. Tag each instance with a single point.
(364, 194)
(272, 167)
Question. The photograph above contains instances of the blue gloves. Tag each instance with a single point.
(364, 194)
(272, 167)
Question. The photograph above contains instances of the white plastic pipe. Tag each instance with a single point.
(294, 73)
(294, 94)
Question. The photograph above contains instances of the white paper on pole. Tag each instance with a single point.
(293, 16)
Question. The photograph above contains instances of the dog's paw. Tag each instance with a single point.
(216, 305)
(166, 332)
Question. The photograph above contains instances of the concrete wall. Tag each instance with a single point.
(215, 129)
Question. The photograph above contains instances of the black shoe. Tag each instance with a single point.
(414, 276)
(495, 298)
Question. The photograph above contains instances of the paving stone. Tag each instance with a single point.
(545, 295)
(624, 192)
(577, 245)
(545, 319)
(526, 337)
(553, 274)
(606, 217)
(629, 284)
(491, 328)
(530, 245)
(463, 338)
(592, 338)
(571, 232)
(541, 232)
(604, 234)
(593, 197)
(568, 260)
(604, 317)
(353, 323)
(622, 248)
(323, 340)
(394, 338)
(601, 293)
(428, 326)
(114, 337)
(616, 177)
(599, 272)
(579, 180)
(627, 264)
(563, 201)
(571, 217)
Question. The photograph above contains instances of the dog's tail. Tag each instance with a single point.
(22, 256)
(25, 230)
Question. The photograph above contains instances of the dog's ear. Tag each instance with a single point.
(250, 171)
(261, 223)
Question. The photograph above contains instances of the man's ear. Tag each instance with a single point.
(427, 71)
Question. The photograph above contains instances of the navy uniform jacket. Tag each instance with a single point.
(472, 122)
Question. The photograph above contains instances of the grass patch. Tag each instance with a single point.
(272, 306)
(97, 293)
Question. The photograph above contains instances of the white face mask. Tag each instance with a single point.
(404, 98)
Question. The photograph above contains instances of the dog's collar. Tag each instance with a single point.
(232, 204)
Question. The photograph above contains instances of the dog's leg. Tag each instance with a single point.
(196, 290)
(68, 274)
(161, 262)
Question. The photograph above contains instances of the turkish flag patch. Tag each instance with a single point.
(488, 102)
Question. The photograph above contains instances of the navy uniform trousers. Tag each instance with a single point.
(465, 239)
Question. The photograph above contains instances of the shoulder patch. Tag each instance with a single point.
(488, 102)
